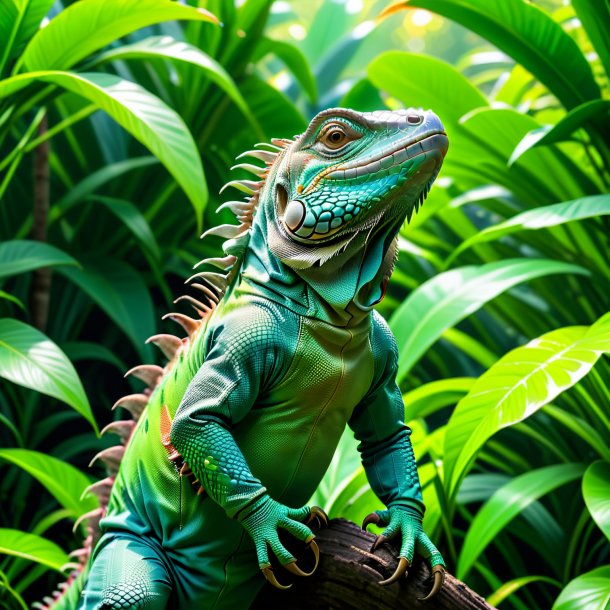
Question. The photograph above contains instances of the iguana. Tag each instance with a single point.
(235, 433)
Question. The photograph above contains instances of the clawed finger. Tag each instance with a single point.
(401, 570)
(270, 576)
(379, 540)
(319, 515)
(293, 568)
(370, 518)
(439, 579)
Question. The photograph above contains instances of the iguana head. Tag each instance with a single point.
(352, 170)
(331, 202)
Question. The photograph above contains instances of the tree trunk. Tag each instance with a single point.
(40, 290)
(348, 575)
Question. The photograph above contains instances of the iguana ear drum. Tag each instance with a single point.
(294, 215)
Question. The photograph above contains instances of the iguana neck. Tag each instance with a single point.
(341, 292)
(318, 233)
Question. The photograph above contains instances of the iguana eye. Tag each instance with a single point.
(334, 137)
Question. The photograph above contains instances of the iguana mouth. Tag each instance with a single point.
(386, 160)
(311, 226)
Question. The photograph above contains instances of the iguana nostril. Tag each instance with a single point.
(294, 214)
(414, 119)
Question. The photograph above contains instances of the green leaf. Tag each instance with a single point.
(541, 218)
(33, 548)
(65, 482)
(9, 297)
(166, 47)
(8, 19)
(32, 13)
(427, 82)
(85, 27)
(121, 293)
(595, 18)
(95, 180)
(596, 492)
(84, 350)
(8, 16)
(589, 591)
(447, 298)
(134, 220)
(435, 395)
(530, 37)
(552, 134)
(294, 60)
(520, 383)
(499, 130)
(142, 114)
(506, 503)
(30, 359)
(512, 586)
(21, 255)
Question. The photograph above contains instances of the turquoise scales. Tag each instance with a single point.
(235, 433)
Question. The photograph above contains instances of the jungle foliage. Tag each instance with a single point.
(118, 123)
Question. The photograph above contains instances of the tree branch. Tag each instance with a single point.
(348, 575)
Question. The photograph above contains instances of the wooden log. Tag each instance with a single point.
(348, 575)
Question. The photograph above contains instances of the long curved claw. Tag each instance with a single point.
(401, 570)
(379, 540)
(270, 576)
(315, 512)
(370, 518)
(294, 568)
(439, 580)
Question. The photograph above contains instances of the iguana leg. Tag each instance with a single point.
(127, 573)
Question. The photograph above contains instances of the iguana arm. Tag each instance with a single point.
(388, 460)
(243, 361)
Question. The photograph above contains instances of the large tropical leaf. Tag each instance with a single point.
(134, 220)
(8, 18)
(530, 36)
(142, 114)
(427, 82)
(121, 293)
(21, 255)
(507, 589)
(508, 502)
(595, 17)
(449, 297)
(596, 491)
(294, 60)
(499, 130)
(519, 384)
(552, 134)
(32, 360)
(94, 181)
(430, 397)
(166, 47)
(32, 12)
(33, 548)
(89, 25)
(65, 482)
(590, 591)
(539, 218)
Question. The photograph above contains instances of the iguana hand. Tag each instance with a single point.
(263, 518)
(408, 522)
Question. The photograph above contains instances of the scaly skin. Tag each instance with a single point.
(256, 401)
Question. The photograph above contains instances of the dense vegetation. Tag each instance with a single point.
(118, 123)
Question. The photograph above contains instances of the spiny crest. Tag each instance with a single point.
(212, 284)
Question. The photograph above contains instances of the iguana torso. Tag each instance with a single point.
(286, 351)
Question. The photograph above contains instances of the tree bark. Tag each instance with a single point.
(348, 575)
(40, 290)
